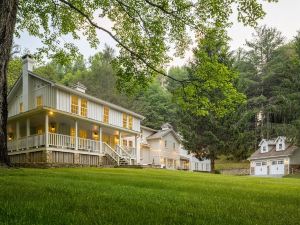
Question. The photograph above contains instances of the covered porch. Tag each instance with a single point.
(64, 133)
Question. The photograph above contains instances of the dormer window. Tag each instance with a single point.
(280, 146)
(264, 149)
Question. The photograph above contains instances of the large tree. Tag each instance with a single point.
(144, 30)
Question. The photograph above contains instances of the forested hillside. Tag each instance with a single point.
(266, 75)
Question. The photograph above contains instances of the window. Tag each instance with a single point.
(280, 162)
(39, 130)
(105, 114)
(21, 108)
(264, 163)
(124, 120)
(83, 134)
(72, 132)
(280, 147)
(174, 146)
(39, 101)
(130, 122)
(166, 143)
(74, 104)
(264, 149)
(83, 108)
(258, 164)
(124, 142)
(274, 162)
(130, 144)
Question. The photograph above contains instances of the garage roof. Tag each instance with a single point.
(273, 153)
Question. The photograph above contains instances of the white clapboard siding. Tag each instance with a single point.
(14, 103)
(136, 124)
(63, 101)
(115, 118)
(48, 96)
(95, 111)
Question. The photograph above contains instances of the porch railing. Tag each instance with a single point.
(54, 140)
(124, 154)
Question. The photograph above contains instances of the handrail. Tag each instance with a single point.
(111, 152)
(123, 153)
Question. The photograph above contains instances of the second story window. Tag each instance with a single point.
(74, 104)
(124, 120)
(166, 144)
(39, 101)
(21, 108)
(174, 146)
(105, 114)
(83, 108)
(130, 122)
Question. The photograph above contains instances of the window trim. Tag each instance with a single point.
(105, 114)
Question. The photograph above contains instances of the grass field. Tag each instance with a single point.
(144, 196)
(223, 163)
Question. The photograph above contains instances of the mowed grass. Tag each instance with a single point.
(144, 196)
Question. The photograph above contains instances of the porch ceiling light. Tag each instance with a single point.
(51, 113)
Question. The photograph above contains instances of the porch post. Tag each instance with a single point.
(76, 135)
(137, 150)
(120, 136)
(27, 132)
(46, 130)
(17, 134)
(100, 138)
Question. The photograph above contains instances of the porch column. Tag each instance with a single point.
(100, 138)
(137, 150)
(27, 132)
(76, 135)
(17, 134)
(46, 130)
(120, 136)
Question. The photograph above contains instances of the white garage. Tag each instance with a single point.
(274, 157)
(261, 168)
(277, 167)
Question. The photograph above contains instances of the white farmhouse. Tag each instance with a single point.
(49, 123)
(163, 149)
(275, 157)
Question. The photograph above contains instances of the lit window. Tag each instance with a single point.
(72, 132)
(39, 101)
(124, 142)
(105, 114)
(21, 107)
(83, 107)
(39, 130)
(82, 134)
(124, 120)
(130, 144)
(130, 122)
(74, 104)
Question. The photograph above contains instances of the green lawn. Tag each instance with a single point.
(144, 196)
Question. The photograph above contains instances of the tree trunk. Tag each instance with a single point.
(212, 165)
(8, 13)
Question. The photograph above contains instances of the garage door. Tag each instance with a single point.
(277, 167)
(261, 168)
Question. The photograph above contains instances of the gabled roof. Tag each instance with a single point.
(162, 133)
(290, 149)
(74, 91)
(269, 142)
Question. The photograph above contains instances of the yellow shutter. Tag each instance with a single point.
(21, 107)
(39, 101)
(84, 107)
(105, 114)
(124, 120)
(74, 104)
(130, 122)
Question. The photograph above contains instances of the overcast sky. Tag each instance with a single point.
(284, 15)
